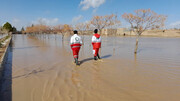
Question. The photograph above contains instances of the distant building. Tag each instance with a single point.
(119, 31)
(109, 31)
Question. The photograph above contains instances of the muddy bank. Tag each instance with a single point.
(43, 70)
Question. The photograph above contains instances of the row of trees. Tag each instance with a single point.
(140, 21)
(98, 22)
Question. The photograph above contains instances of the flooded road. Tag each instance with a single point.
(43, 70)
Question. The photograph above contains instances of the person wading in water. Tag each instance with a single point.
(76, 43)
(96, 42)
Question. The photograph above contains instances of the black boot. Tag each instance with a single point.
(95, 58)
(76, 61)
(98, 56)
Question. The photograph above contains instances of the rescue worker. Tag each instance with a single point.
(96, 42)
(76, 43)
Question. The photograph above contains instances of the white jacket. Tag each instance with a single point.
(94, 39)
(75, 39)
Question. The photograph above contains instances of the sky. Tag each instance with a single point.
(22, 13)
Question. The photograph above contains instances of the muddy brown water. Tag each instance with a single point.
(41, 68)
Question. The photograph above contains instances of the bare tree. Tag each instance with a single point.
(142, 20)
(101, 22)
(67, 28)
(58, 29)
(62, 29)
(82, 27)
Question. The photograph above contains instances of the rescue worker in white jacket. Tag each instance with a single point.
(76, 43)
(96, 42)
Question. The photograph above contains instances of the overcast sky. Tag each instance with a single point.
(52, 12)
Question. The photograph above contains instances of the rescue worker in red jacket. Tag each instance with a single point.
(96, 42)
(76, 43)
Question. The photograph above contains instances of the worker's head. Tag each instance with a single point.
(75, 32)
(96, 31)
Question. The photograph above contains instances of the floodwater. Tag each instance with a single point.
(43, 70)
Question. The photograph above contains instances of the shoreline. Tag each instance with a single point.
(3, 51)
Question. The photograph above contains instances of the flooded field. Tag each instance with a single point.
(42, 69)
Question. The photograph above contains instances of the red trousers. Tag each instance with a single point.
(95, 51)
(96, 46)
(75, 52)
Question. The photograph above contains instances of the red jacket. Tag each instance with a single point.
(96, 41)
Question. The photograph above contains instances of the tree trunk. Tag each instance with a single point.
(136, 47)
(62, 37)
(83, 40)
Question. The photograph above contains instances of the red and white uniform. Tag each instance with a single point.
(96, 42)
(76, 43)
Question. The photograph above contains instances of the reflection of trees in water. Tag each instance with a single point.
(53, 39)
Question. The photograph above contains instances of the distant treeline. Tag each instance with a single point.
(41, 29)
(98, 22)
